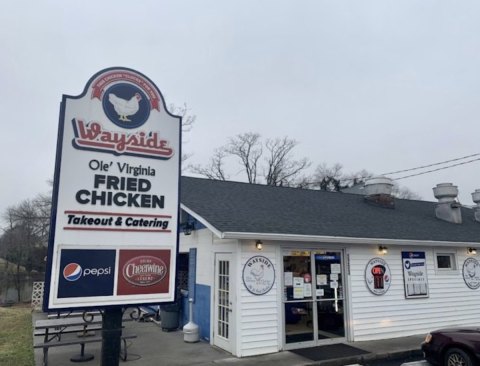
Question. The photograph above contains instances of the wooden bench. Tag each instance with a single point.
(81, 342)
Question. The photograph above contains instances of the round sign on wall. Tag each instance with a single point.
(378, 276)
(471, 273)
(258, 275)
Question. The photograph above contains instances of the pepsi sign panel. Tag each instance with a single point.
(86, 273)
(116, 196)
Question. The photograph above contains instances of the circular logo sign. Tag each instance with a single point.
(378, 276)
(126, 105)
(72, 271)
(144, 270)
(471, 273)
(258, 275)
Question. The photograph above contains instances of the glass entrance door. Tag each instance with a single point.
(329, 294)
(313, 297)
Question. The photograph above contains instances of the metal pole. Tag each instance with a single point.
(111, 336)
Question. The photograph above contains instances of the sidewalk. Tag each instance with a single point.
(154, 347)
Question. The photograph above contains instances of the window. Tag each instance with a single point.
(445, 261)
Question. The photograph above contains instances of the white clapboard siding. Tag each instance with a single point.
(450, 301)
(259, 319)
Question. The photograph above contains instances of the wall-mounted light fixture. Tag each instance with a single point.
(382, 249)
(188, 227)
(259, 245)
(472, 251)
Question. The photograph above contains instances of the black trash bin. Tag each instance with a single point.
(170, 316)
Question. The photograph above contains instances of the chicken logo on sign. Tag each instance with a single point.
(128, 100)
(258, 275)
(126, 105)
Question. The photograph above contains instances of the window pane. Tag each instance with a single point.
(444, 261)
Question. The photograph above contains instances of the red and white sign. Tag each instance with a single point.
(141, 271)
(117, 188)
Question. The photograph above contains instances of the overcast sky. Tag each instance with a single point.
(377, 85)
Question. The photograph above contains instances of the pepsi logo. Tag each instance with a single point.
(72, 272)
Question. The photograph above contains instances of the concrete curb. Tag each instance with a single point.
(368, 357)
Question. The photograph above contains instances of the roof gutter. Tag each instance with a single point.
(341, 239)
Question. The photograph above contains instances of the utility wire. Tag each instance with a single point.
(442, 168)
(428, 166)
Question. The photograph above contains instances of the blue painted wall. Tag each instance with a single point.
(201, 310)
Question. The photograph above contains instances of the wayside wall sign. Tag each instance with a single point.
(114, 236)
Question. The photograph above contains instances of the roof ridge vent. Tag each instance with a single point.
(447, 208)
(476, 209)
(378, 192)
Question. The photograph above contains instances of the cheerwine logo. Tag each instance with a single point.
(144, 270)
(92, 136)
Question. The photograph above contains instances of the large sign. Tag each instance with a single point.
(114, 236)
(415, 279)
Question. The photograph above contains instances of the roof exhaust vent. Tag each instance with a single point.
(378, 192)
(447, 208)
(476, 209)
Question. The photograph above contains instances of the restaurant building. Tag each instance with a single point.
(283, 268)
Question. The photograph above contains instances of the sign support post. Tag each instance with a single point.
(111, 336)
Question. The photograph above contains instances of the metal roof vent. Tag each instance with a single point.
(476, 199)
(447, 208)
(378, 192)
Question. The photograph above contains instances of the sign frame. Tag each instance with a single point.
(378, 286)
(153, 106)
(257, 263)
(471, 273)
(415, 282)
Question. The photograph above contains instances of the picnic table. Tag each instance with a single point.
(53, 329)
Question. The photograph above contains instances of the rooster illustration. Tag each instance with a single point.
(123, 107)
(258, 272)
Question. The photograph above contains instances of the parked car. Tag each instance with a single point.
(453, 347)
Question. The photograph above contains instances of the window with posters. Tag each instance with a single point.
(313, 296)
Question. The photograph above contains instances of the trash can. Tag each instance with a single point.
(170, 316)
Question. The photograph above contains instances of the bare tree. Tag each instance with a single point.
(248, 148)
(277, 168)
(16, 248)
(33, 215)
(328, 178)
(25, 240)
(187, 123)
(184, 112)
(281, 169)
(215, 169)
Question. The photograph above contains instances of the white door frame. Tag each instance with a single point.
(223, 302)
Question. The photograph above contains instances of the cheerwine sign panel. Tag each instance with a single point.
(113, 237)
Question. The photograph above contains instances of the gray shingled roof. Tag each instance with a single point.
(252, 208)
